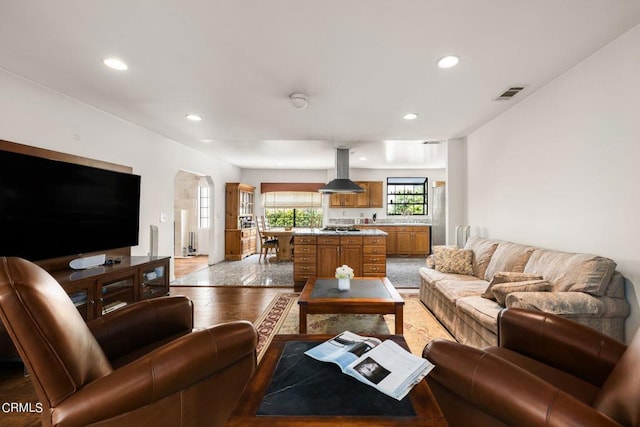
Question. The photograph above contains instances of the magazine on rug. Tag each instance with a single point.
(383, 365)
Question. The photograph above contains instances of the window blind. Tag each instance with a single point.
(292, 199)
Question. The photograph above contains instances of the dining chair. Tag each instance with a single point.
(267, 243)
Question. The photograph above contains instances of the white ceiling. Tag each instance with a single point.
(363, 64)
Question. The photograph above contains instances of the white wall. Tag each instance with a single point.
(456, 188)
(561, 169)
(33, 115)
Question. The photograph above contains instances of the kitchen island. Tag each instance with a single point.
(318, 252)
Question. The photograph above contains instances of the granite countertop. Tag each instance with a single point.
(320, 232)
(396, 224)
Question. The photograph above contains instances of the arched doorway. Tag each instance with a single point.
(193, 222)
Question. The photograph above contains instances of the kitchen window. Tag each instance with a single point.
(407, 196)
(293, 208)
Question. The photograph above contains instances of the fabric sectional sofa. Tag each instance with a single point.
(467, 287)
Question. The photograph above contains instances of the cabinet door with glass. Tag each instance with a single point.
(115, 293)
(154, 279)
(81, 294)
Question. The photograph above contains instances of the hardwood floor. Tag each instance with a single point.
(224, 304)
(185, 266)
(211, 306)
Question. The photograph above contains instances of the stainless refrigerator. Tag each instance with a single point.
(438, 213)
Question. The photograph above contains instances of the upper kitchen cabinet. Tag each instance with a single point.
(375, 194)
(370, 198)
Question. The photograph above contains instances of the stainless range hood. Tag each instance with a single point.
(342, 183)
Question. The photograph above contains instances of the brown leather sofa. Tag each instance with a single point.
(142, 365)
(545, 371)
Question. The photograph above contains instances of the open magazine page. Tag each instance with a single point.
(390, 368)
(343, 349)
(385, 366)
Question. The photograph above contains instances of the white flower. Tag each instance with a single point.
(344, 272)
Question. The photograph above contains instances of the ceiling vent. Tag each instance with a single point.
(510, 93)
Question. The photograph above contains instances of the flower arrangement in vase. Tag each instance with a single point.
(344, 274)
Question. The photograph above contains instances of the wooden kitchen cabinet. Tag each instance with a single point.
(374, 256)
(304, 258)
(391, 239)
(240, 243)
(375, 194)
(334, 251)
(370, 198)
(240, 235)
(343, 200)
(404, 241)
(421, 241)
(351, 254)
(412, 241)
(362, 199)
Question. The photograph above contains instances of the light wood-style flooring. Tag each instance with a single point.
(185, 266)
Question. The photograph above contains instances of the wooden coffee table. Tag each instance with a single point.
(245, 413)
(368, 295)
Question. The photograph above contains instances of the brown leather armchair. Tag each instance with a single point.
(545, 371)
(142, 365)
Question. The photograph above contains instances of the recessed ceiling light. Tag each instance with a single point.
(193, 117)
(206, 140)
(410, 116)
(448, 61)
(115, 63)
(362, 159)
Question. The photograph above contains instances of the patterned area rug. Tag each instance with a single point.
(281, 317)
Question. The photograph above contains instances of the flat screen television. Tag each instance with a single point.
(51, 209)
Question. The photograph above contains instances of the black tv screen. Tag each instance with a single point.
(50, 208)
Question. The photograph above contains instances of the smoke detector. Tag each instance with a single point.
(299, 100)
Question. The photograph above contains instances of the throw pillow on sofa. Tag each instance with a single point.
(483, 250)
(507, 277)
(500, 291)
(455, 261)
(438, 254)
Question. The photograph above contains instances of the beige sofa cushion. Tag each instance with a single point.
(453, 290)
(481, 310)
(508, 257)
(454, 260)
(507, 277)
(572, 272)
(501, 290)
(431, 276)
(483, 250)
